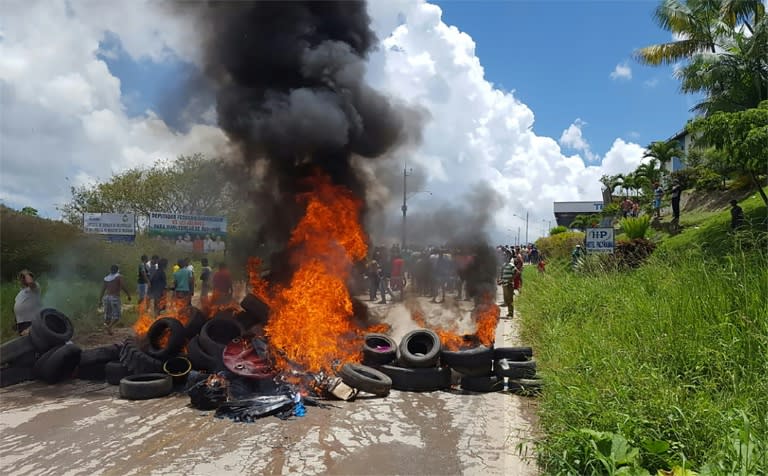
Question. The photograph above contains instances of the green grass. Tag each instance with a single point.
(660, 367)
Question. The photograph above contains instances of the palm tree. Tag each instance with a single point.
(745, 12)
(664, 151)
(697, 24)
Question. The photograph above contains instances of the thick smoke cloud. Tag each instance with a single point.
(288, 80)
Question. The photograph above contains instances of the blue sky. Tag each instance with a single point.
(558, 56)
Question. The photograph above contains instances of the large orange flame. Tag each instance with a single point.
(486, 317)
(310, 320)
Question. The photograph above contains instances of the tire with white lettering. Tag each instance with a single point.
(366, 379)
(419, 349)
(511, 369)
(58, 364)
(378, 349)
(52, 329)
(419, 379)
(145, 386)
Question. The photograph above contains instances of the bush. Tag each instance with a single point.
(631, 254)
(686, 177)
(635, 227)
(561, 245)
(708, 179)
(557, 230)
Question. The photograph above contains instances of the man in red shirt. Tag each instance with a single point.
(222, 285)
(397, 279)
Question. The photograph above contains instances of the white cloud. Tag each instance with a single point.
(65, 120)
(69, 118)
(573, 138)
(651, 83)
(622, 71)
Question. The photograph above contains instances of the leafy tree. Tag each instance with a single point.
(582, 222)
(557, 230)
(664, 151)
(190, 184)
(29, 211)
(743, 136)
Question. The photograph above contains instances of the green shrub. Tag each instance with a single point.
(633, 253)
(635, 227)
(557, 230)
(708, 179)
(559, 246)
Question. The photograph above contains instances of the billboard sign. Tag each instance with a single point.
(599, 240)
(585, 208)
(117, 226)
(172, 225)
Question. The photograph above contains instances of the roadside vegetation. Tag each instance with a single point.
(662, 366)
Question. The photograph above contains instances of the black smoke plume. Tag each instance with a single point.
(288, 78)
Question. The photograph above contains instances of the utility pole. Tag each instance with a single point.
(526, 228)
(404, 208)
(518, 236)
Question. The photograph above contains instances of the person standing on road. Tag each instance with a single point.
(205, 282)
(518, 281)
(222, 285)
(675, 195)
(737, 215)
(158, 282)
(110, 297)
(28, 302)
(182, 283)
(143, 279)
(506, 280)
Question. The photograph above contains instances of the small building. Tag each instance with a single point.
(685, 140)
(565, 212)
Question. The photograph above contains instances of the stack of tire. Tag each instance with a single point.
(485, 369)
(46, 353)
(411, 366)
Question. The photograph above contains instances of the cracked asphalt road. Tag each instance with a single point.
(84, 428)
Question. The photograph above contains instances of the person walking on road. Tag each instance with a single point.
(506, 280)
(143, 278)
(110, 297)
(28, 302)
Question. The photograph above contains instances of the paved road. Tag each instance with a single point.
(84, 428)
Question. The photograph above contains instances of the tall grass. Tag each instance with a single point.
(672, 357)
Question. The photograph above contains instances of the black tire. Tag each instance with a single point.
(41, 345)
(511, 369)
(525, 386)
(145, 386)
(17, 349)
(379, 349)
(94, 372)
(137, 361)
(490, 383)
(418, 380)
(516, 354)
(176, 338)
(195, 320)
(99, 355)
(14, 375)
(52, 329)
(366, 379)
(257, 309)
(419, 349)
(483, 371)
(58, 364)
(201, 360)
(114, 372)
(216, 334)
(480, 356)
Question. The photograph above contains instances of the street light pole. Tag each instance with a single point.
(526, 228)
(404, 208)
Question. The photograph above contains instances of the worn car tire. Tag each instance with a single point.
(176, 338)
(489, 383)
(482, 371)
(379, 349)
(201, 360)
(138, 361)
(511, 369)
(14, 375)
(525, 386)
(17, 349)
(517, 354)
(100, 355)
(257, 309)
(145, 386)
(58, 364)
(419, 379)
(419, 349)
(216, 334)
(480, 356)
(52, 329)
(195, 320)
(366, 379)
(92, 372)
(114, 372)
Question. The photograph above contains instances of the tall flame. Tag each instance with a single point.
(310, 320)
(486, 317)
